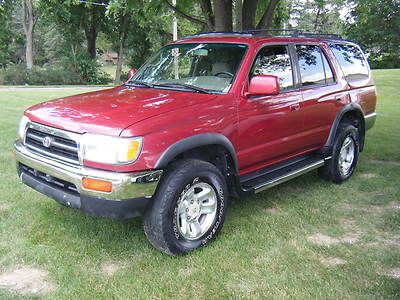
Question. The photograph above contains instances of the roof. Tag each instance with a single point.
(253, 36)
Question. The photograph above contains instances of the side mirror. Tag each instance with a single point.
(263, 85)
(131, 72)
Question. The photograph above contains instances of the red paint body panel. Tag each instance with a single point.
(263, 130)
(109, 111)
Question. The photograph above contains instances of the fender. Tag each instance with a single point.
(353, 107)
(195, 141)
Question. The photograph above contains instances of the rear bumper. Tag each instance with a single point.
(130, 195)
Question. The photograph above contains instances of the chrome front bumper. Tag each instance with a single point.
(125, 186)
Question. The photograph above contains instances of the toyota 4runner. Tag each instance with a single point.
(209, 117)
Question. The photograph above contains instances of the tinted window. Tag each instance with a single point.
(208, 66)
(274, 60)
(351, 61)
(311, 65)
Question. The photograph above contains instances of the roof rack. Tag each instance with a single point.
(272, 32)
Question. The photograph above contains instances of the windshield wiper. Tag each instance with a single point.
(139, 83)
(185, 86)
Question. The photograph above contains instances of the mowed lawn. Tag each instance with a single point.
(304, 239)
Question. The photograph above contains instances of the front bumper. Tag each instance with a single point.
(130, 195)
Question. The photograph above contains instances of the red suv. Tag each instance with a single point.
(209, 117)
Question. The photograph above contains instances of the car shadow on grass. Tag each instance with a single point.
(64, 227)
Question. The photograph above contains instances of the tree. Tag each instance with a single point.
(29, 24)
(375, 24)
(92, 23)
(5, 32)
(72, 17)
(120, 12)
(319, 16)
(217, 15)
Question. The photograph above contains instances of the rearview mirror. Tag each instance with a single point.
(263, 85)
(131, 72)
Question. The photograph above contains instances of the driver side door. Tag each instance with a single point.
(270, 126)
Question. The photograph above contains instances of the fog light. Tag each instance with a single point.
(96, 185)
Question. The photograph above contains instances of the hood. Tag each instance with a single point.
(110, 111)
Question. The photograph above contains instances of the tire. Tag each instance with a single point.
(339, 169)
(174, 224)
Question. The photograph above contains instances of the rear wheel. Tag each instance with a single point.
(344, 155)
(189, 207)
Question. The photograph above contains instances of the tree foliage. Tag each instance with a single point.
(73, 34)
(375, 24)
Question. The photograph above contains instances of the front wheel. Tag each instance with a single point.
(189, 207)
(344, 155)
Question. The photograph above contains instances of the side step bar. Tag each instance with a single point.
(280, 175)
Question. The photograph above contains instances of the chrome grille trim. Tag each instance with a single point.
(63, 142)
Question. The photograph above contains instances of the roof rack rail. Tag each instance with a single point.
(273, 32)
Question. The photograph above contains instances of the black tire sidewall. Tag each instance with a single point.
(179, 181)
(346, 130)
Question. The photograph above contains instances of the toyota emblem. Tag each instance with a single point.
(47, 141)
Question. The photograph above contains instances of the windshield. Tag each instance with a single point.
(207, 67)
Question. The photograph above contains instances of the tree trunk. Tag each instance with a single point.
(223, 15)
(122, 37)
(268, 16)
(91, 34)
(316, 21)
(239, 15)
(206, 8)
(29, 23)
(249, 14)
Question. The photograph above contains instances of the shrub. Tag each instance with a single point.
(88, 69)
(19, 75)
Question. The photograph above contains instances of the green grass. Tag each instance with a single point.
(110, 69)
(263, 250)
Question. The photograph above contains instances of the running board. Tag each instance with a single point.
(279, 175)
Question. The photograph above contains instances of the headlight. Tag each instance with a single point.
(110, 150)
(22, 127)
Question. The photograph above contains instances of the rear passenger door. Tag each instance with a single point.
(323, 94)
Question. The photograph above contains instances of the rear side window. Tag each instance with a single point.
(274, 60)
(314, 68)
(351, 60)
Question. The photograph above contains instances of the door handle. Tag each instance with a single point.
(295, 107)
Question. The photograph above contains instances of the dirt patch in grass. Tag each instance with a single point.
(3, 207)
(27, 280)
(385, 162)
(368, 175)
(393, 273)
(394, 205)
(323, 240)
(331, 262)
(110, 269)
(276, 212)
(371, 208)
(353, 234)
(385, 242)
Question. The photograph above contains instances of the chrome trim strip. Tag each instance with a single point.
(57, 157)
(370, 120)
(53, 143)
(124, 185)
(291, 175)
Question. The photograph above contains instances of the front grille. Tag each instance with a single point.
(58, 147)
(49, 180)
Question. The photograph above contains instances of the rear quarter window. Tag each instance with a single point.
(352, 61)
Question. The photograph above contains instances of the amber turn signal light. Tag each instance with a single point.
(96, 185)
